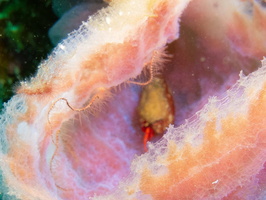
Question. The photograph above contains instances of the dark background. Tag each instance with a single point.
(24, 41)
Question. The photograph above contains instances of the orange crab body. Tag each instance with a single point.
(156, 109)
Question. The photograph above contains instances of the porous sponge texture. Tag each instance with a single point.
(107, 50)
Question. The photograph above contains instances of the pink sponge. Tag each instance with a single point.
(69, 133)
